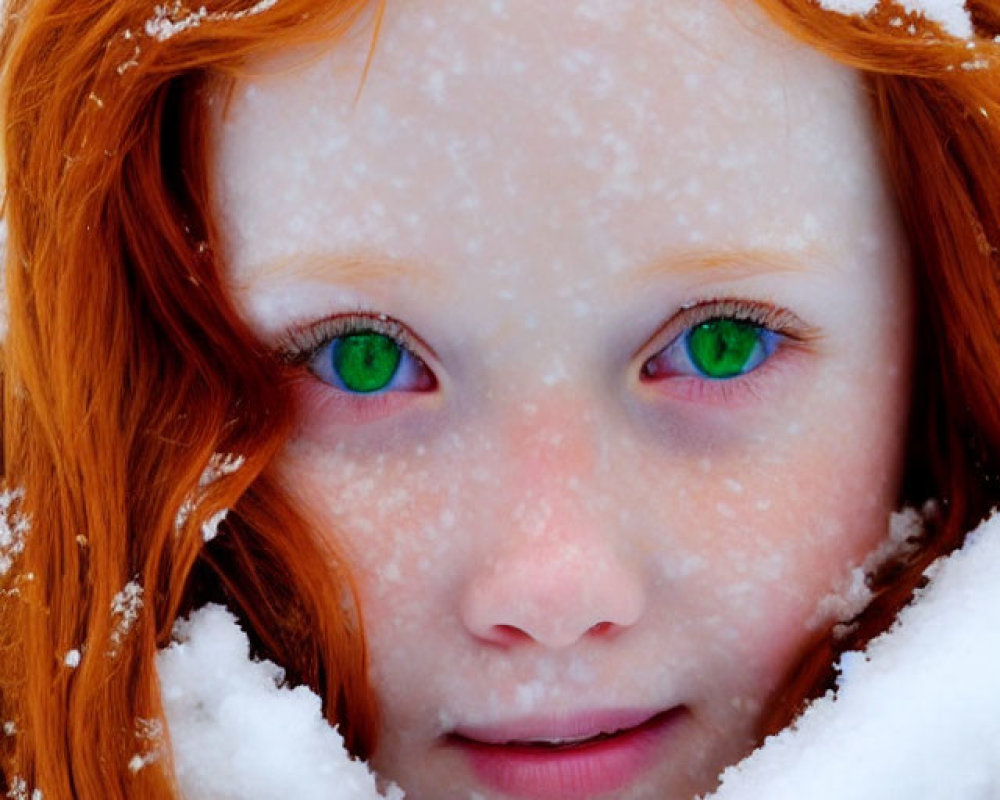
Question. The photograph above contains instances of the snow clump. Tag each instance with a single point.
(219, 466)
(14, 527)
(125, 608)
(917, 715)
(237, 733)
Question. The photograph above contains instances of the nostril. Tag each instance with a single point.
(601, 628)
(509, 635)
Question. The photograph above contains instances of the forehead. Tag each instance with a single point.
(490, 128)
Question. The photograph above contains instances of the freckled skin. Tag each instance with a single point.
(648, 548)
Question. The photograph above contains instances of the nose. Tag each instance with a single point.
(553, 593)
(554, 571)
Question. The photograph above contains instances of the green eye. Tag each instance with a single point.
(365, 362)
(724, 348)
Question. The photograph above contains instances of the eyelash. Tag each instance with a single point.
(791, 334)
(301, 345)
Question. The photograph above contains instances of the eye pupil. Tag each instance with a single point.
(366, 361)
(722, 348)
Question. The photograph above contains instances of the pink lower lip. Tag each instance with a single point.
(604, 764)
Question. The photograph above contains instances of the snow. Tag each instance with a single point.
(14, 527)
(951, 15)
(905, 529)
(210, 528)
(916, 716)
(19, 790)
(219, 466)
(238, 733)
(168, 21)
(125, 607)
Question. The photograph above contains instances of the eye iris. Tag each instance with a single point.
(722, 348)
(366, 362)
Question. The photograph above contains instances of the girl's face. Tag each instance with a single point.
(604, 323)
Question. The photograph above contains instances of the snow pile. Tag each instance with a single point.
(951, 15)
(238, 734)
(916, 716)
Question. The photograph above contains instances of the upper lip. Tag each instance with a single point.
(559, 728)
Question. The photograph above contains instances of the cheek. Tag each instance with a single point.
(753, 536)
(395, 520)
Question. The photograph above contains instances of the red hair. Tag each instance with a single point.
(936, 103)
(126, 368)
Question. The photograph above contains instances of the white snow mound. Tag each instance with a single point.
(916, 716)
(238, 734)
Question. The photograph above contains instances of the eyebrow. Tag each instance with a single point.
(351, 271)
(719, 264)
(359, 269)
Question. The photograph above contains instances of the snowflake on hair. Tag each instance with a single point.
(951, 15)
(125, 607)
(219, 466)
(14, 527)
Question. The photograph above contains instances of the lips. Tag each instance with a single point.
(579, 756)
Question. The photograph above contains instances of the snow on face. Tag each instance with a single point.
(543, 200)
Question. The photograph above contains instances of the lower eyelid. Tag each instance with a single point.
(757, 386)
(327, 406)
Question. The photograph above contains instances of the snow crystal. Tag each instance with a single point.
(165, 24)
(133, 61)
(905, 529)
(72, 659)
(238, 734)
(210, 528)
(125, 607)
(149, 732)
(14, 527)
(19, 790)
(168, 21)
(219, 466)
(951, 15)
(138, 762)
(916, 716)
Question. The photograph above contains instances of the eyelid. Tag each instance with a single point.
(767, 315)
(301, 342)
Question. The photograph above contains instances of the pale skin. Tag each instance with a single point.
(544, 197)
